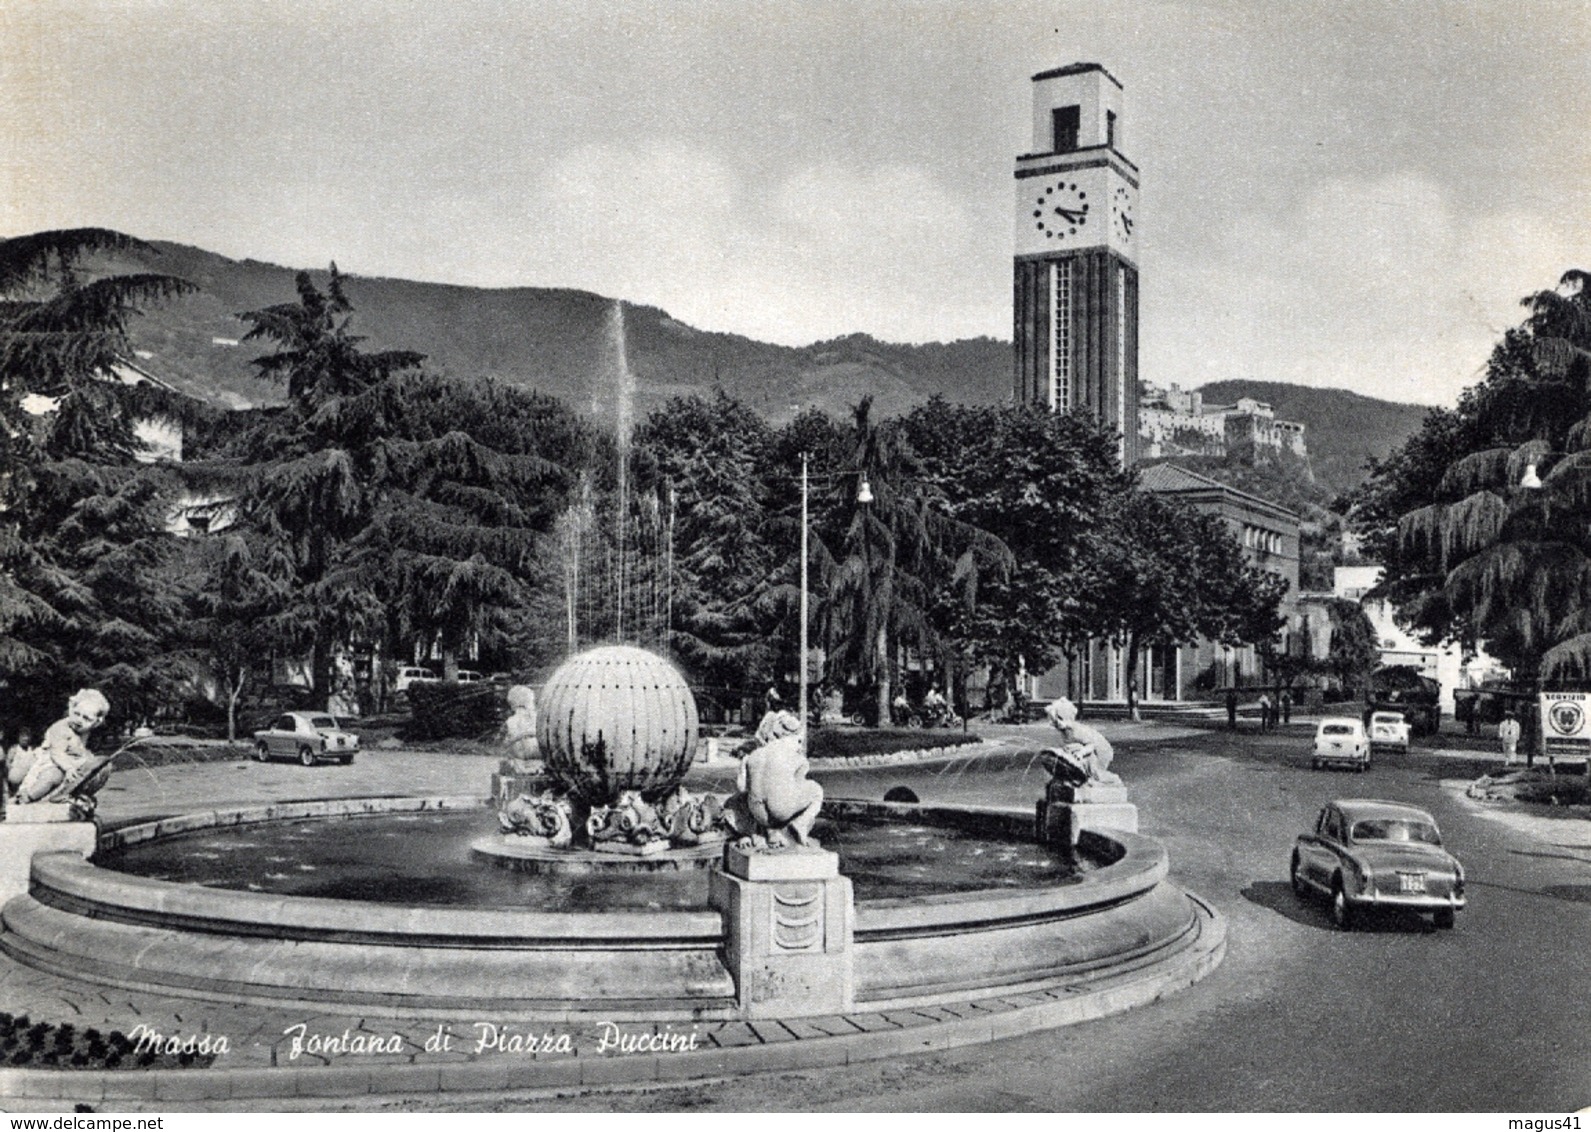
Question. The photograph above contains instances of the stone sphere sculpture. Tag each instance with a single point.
(613, 719)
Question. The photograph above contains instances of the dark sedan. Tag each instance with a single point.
(1366, 854)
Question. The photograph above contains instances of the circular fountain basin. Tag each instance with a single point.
(920, 934)
(430, 859)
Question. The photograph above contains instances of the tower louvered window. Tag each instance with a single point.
(1061, 336)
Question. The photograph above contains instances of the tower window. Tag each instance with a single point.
(1065, 121)
(1110, 128)
(1060, 367)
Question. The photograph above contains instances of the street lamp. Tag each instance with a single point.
(1530, 481)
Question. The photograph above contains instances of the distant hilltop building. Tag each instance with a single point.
(1176, 422)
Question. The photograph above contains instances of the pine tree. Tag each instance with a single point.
(88, 589)
(706, 462)
(408, 506)
(1492, 502)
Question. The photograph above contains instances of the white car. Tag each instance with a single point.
(410, 674)
(1389, 729)
(1341, 741)
(308, 736)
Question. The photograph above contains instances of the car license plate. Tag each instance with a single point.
(1411, 882)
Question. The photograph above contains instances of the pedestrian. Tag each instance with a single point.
(1231, 709)
(1508, 732)
(1287, 706)
(1265, 712)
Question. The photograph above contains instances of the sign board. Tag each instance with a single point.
(1566, 723)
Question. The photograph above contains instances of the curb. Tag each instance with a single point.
(802, 1044)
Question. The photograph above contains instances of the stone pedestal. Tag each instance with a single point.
(787, 918)
(43, 827)
(518, 776)
(1066, 811)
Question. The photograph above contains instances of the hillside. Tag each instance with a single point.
(557, 341)
(1343, 430)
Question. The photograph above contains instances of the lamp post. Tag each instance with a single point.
(801, 704)
(1530, 481)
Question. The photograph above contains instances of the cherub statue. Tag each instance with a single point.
(777, 804)
(1084, 757)
(62, 768)
(519, 729)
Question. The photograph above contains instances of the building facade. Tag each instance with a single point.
(1445, 663)
(1075, 318)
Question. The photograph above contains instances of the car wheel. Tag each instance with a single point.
(1300, 890)
(1444, 918)
(1342, 912)
(306, 756)
(346, 760)
(1314, 764)
(262, 752)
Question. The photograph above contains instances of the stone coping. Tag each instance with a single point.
(722, 1049)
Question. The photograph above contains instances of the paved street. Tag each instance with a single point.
(1489, 1016)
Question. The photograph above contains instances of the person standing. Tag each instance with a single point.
(1287, 706)
(1231, 709)
(1508, 733)
(1265, 712)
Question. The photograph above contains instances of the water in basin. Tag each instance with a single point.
(424, 860)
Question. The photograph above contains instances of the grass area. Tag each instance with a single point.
(849, 742)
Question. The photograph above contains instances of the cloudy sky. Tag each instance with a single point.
(1336, 193)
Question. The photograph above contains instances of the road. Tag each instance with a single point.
(1300, 1017)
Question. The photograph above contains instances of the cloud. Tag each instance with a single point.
(821, 251)
(1380, 284)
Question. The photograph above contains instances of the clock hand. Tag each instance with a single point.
(1071, 215)
(1126, 225)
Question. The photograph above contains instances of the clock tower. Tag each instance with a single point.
(1076, 309)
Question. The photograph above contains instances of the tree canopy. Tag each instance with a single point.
(1484, 514)
(88, 588)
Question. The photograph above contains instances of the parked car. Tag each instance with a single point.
(1389, 729)
(469, 676)
(411, 674)
(1341, 741)
(308, 736)
(1366, 854)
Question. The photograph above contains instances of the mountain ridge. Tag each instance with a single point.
(556, 340)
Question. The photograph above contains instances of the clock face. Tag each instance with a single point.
(1061, 211)
(1121, 216)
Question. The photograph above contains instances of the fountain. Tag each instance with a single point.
(617, 729)
(779, 932)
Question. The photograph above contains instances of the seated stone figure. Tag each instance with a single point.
(1084, 756)
(519, 729)
(62, 768)
(777, 803)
